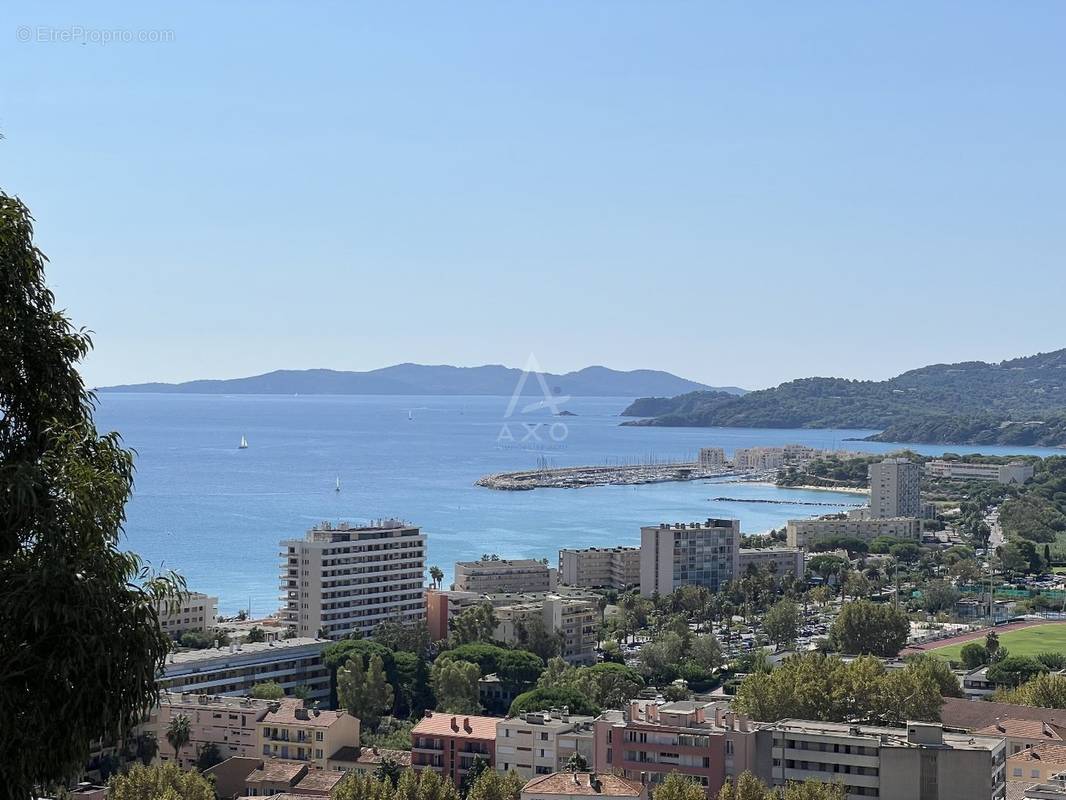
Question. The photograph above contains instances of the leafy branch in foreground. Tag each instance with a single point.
(80, 642)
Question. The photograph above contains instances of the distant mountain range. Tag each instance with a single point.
(420, 379)
(1017, 402)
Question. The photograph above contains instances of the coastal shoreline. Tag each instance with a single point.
(805, 487)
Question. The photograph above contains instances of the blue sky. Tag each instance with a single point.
(737, 193)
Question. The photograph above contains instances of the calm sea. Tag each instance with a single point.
(216, 513)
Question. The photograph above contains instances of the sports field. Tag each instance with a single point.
(1024, 642)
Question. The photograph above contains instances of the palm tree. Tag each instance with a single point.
(178, 733)
(436, 575)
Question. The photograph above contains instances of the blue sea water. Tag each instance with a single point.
(215, 513)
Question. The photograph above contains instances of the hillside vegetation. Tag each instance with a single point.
(1021, 401)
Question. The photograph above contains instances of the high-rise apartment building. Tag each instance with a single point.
(808, 532)
(711, 457)
(600, 567)
(895, 489)
(694, 553)
(194, 611)
(341, 580)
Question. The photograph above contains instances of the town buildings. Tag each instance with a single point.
(921, 762)
(366, 760)
(1039, 763)
(1014, 473)
(542, 742)
(292, 731)
(712, 457)
(195, 611)
(695, 553)
(778, 561)
(582, 785)
(497, 576)
(235, 669)
(574, 617)
(807, 532)
(758, 458)
(648, 740)
(342, 580)
(448, 743)
(895, 489)
(230, 723)
(600, 567)
(443, 606)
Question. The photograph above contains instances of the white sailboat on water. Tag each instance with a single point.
(338, 488)
(244, 443)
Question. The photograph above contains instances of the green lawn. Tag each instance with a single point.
(1025, 642)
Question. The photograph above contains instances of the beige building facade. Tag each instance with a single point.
(342, 580)
(895, 489)
(196, 612)
(807, 532)
(574, 618)
(490, 576)
(296, 733)
(779, 561)
(542, 743)
(600, 567)
(230, 723)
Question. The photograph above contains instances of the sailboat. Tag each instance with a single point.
(244, 444)
(410, 415)
(338, 488)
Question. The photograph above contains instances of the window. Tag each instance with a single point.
(1017, 772)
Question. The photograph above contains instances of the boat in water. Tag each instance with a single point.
(243, 445)
(338, 487)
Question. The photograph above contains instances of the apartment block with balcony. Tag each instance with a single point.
(711, 457)
(230, 723)
(600, 567)
(895, 489)
(235, 669)
(689, 554)
(648, 740)
(574, 617)
(342, 580)
(919, 762)
(306, 735)
(449, 743)
(497, 576)
(195, 612)
(807, 532)
(1015, 473)
(542, 742)
(778, 561)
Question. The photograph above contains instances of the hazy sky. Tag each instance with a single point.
(739, 193)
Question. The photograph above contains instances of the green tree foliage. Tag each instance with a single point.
(748, 787)
(863, 627)
(161, 782)
(516, 668)
(270, 690)
(677, 786)
(493, 785)
(939, 596)
(455, 684)
(1052, 659)
(939, 671)
(705, 652)
(178, 732)
(974, 655)
(476, 624)
(819, 687)
(388, 769)
(1014, 670)
(577, 763)
(402, 637)
(782, 622)
(256, 634)
(536, 637)
(80, 643)
(365, 692)
(207, 756)
(1043, 691)
(660, 657)
(424, 785)
(545, 699)
(607, 685)
(337, 655)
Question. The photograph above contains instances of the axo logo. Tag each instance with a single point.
(533, 434)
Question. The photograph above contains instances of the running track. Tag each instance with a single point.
(962, 638)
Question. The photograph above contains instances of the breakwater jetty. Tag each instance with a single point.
(580, 477)
(781, 502)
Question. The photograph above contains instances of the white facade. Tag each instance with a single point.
(806, 532)
(195, 612)
(541, 743)
(779, 561)
(712, 457)
(600, 567)
(1016, 472)
(895, 488)
(693, 553)
(341, 580)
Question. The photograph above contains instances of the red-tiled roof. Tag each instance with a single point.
(1044, 752)
(582, 783)
(972, 714)
(462, 725)
(290, 714)
(1024, 729)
